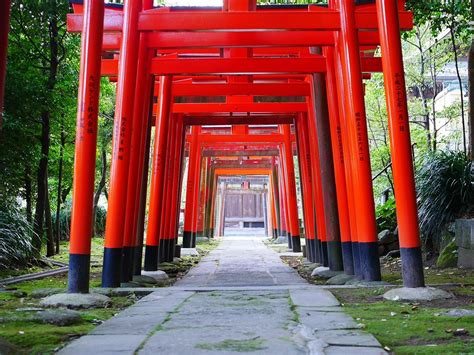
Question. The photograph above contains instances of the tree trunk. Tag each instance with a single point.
(60, 182)
(41, 180)
(45, 136)
(100, 187)
(49, 224)
(456, 64)
(28, 192)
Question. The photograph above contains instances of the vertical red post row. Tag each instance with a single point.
(306, 183)
(157, 175)
(356, 122)
(123, 125)
(85, 148)
(4, 29)
(140, 127)
(191, 203)
(291, 188)
(400, 144)
(338, 162)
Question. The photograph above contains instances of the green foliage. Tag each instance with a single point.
(65, 221)
(386, 215)
(16, 235)
(445, 190)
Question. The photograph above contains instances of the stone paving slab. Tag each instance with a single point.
(240, 299)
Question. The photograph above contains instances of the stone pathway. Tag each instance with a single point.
(240, 298)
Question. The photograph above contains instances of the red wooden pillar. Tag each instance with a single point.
(140, 128)
(306, 184)
(341, 94)
(282, 201)
(201, 196)
(85, 149)
(4, 28)
(166, 242)
(127, 78)
(321, 242)
(400, 144)
(338, 160)
(157, 176)
(175, 202)
(191, 203)
(291, 188)
(356, 120)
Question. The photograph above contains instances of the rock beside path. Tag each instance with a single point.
(416, 294)
(324, 272)
(59, 317)
(76, 301)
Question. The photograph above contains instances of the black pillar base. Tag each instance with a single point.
(412, 267)
(78, 275)
(356, 260)
(296, 243)
(112, 267)
(151, 258)
(309, 252)
(369, 261)
(166, 253)
(347, 258)
(317, 251)
(127, 262)
(335, 256)
(275, 234)
(290, 241)
(137, 259)
(187, 239)
(324, 254)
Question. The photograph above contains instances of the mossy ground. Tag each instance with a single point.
(35, 338)
(412, 328)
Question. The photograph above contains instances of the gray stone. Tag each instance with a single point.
(340, 279)
(76, 300)
(189, 252)
(63, 317)
(459, 313)
(144, 279)
(363, 283)
(104, 344)
(158, 275)
(386, 237)
(45, 292)
(324, 272)
(281, 240)
(347, 337)
(313, 297)
(416, 294)
(465, 233)
(19, 294)
(28, 309)
(465, 258)
(359, 350)
(392, 246)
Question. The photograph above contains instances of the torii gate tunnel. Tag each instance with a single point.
(240, 90)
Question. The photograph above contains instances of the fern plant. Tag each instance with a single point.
(445, 191)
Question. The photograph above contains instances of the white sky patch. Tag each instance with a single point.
(193, 2)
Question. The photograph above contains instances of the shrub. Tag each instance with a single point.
(445, 191)
(16, 236)
(65, 221)
(386, 215)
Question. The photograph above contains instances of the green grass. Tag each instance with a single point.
(434, 276)
(36, 338)
(408, 328)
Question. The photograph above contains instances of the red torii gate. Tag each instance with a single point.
(343, 67)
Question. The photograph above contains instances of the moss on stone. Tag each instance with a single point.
(247, 345)
(448, 256)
